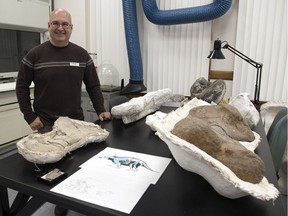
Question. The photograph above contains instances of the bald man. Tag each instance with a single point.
(57, 68)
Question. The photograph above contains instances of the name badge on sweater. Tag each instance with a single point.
(74, 64)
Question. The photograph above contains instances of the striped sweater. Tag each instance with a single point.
(57, 74)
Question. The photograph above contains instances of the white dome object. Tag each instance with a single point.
(109, 77)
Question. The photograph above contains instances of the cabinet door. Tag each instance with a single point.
(13, 125)
(36, 19)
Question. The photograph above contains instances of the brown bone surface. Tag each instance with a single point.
(217, 130)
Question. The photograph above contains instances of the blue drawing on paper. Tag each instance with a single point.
(132, 162)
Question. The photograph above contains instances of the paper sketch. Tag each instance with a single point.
(156, 163)
(100, 188)
(106, 177)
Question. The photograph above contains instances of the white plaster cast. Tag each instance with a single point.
(246, 108)
(139, 107)
(193, 159)
(67, 135)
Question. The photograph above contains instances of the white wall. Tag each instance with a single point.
(262, 36)
(175, 56)
(109, 52)
(99, 28)
(78, 12)
(87, 30)
(224, 29)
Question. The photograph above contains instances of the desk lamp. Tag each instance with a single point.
(217, 54)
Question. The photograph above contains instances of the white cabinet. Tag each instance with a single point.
(12, 123)
(25, 14)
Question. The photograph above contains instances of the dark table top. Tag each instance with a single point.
(177, 192)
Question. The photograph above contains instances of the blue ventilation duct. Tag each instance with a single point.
(133, 48)
(160, 17)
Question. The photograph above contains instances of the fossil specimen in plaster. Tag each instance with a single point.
(193, 159)
(246, 108)
(140, 107)
(217, 130)
(208, 91)
(67, 135)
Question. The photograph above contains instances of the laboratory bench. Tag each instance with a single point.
(177, 192)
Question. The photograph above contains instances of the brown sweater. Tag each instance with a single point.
(57, 74)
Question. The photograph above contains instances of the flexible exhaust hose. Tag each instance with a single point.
(161, 17)
(133, 48)
(185, 15)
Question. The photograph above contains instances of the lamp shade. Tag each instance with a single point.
(216, 52)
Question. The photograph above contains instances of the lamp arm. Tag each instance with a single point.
(241, 55)
(257, 65)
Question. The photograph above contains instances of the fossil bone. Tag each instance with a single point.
(217, 130)
(208, 91)
(67, 135)
(140, 107)
(193, 159)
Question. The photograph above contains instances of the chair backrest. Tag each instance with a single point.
(277, 138)
(117, 100)
(281, 113)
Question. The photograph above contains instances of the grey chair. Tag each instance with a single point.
(281, 113)
(277, 138)
(117, 100)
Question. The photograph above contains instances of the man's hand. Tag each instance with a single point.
(105, 116)
(36, 124)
